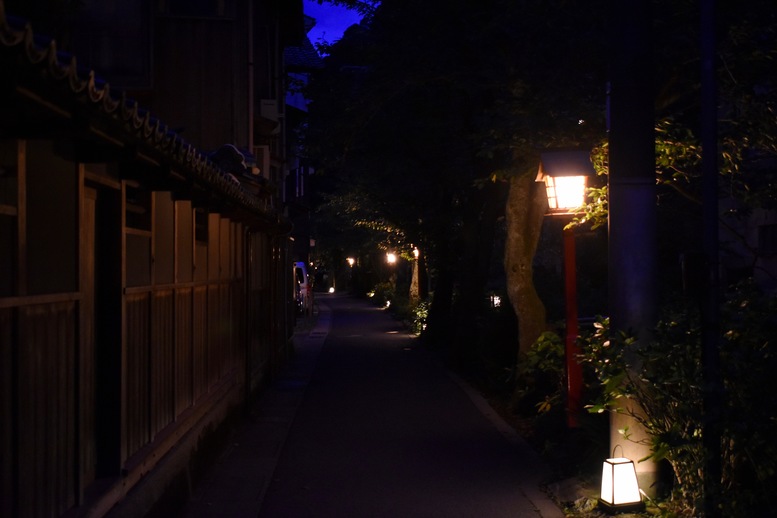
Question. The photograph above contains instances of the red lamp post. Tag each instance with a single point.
(565, 174)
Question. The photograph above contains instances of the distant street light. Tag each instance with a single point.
(414, 294)
(391, 259)
(351, 261)
(565, 174)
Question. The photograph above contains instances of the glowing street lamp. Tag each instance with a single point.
(391, 257)
(564, 174)
(351, 261)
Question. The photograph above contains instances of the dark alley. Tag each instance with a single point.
(379, 428)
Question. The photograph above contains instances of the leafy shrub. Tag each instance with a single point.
(540, 375)
(420, 315)
(383, 293)
(665, 378)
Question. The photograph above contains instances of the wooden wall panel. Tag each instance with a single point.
(184, 391)
(225, 249)
(238, 322)
(214, 264)
(162, 354)
(164, 238)
(87, 375)
(47, 419)
(7, 393)
(227, 329)
(200, 342)
(137, 368)
(184, 236)
(215, 333)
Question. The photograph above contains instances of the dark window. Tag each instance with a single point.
(185, 241)
(137, 213)
(201, 225)
(138, 208)
(52, 221)
(164, 238)
(138, 260)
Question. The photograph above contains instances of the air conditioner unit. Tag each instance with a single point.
(268, 108)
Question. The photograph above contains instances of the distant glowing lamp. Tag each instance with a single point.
(564, 174)
(620, 490)
(391, 257)
(331, 289)
(351, 261)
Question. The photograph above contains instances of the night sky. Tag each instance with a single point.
(331, 21)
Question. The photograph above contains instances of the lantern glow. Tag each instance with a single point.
(620, 490)
(565, 176)
(565, 192)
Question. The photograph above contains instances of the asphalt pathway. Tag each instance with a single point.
(365, 424)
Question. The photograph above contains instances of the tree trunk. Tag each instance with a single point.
(526, 208)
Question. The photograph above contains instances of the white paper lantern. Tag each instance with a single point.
(620, 490)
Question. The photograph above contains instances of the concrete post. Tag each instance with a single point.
(632, 204)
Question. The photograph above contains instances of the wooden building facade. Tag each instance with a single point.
(145, 289)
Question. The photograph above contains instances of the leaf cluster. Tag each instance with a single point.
(540, 375)
(665, 378)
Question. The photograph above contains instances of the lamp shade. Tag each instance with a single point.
(565, 174)
(620, 490)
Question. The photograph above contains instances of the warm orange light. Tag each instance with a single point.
(351, 261)
(564, 174)
(565, 192)
(391, 257)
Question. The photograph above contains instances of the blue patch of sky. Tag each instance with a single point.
(331, 21)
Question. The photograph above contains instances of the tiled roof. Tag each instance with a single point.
(304, 57)
(53, 76)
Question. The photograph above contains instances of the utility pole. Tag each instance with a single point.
(710, 304)
(632, 199)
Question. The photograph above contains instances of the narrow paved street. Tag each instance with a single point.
(381, 429)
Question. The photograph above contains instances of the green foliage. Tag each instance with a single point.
(539, 375)
(665, 378)
(383, 293)
(420, 315)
